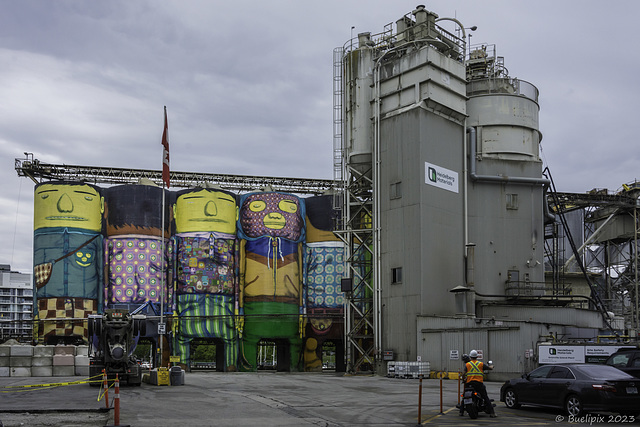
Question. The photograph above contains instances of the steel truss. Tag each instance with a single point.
(41, 172)
(613, 262)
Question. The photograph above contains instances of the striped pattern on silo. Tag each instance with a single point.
(206, 251)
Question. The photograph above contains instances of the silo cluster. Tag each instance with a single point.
(229, 269)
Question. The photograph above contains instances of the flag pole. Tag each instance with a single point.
(165, 181)
(163, 272)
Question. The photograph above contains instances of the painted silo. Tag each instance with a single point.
(138, 271)
(271, 226)
(67, 237)
(506, 187)
(323, 271)
(206, 251)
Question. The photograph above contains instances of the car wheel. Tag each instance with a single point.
(573, 405)
(511, 399)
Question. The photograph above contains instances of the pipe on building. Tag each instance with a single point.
(549, 297)
(501, 179)
(471, 296)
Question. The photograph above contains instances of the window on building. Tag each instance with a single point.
(396, 275)
(395, 192)
(512, 201)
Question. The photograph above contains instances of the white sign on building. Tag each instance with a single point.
(440, 177)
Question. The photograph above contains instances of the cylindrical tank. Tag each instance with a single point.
(505, 168)
(139, 271)
(68, 257)
(206, 251)
(137, 209)
(271, 226)
(505, 111)
(358, 80)
(323, 271)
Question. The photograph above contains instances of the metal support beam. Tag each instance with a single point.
(41, 172)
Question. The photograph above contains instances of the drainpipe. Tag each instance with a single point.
(471, 284)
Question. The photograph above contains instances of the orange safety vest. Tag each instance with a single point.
(475, 371)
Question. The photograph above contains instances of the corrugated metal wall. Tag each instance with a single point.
(506, 343)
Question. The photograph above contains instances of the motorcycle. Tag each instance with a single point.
(474, 403)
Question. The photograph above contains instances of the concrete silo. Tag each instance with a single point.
(443, 187)
(412, 115)
(506, 187)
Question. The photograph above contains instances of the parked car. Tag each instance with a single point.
(627, 360)
(575, 387)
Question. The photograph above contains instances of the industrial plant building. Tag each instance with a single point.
(441, 146)
(439, 233)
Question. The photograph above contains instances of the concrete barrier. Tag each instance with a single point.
(20, 361)
(82, 365)
(21, 372)
(64, 360)
(5, 350)
(64, 371)
(21, 350)
(44, 360)
(42, 371)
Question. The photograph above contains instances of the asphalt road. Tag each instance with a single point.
(264, 399)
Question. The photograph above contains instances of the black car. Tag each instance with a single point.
(627, 360)
(577, 388)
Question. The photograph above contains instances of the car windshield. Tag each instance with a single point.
(619, 360)
(601, 372)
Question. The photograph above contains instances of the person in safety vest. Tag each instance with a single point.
(460, 406)
(474, 376)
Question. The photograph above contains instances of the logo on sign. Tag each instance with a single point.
(441, 177)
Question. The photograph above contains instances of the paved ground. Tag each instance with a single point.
(251, 399)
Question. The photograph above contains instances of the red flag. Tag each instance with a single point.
(165, 150)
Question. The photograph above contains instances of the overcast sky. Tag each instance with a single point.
(248, 86)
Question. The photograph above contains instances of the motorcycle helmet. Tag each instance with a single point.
(465, 358)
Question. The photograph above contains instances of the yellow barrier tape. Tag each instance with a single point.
(18, 388)
(100, 393)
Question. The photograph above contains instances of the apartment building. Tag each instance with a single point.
(16, 304)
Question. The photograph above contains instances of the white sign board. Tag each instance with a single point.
(161, 328)
(440, 177)
(454, 355)
(602, 350)
(576, 353)
(560, 354)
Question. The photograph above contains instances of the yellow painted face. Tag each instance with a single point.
(68, 205)
(206, 210)
(84, 258)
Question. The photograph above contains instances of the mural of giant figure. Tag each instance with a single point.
(68, 259)
(323, 271)
(271, 225)
(138, 272)
(206, 250)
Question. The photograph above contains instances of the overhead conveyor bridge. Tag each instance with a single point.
(39, 172)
